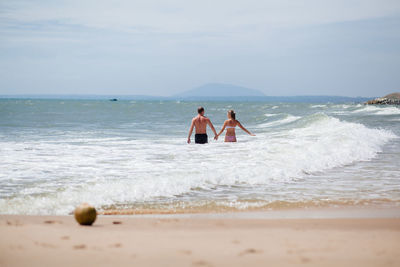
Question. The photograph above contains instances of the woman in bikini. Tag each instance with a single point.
(230, 125)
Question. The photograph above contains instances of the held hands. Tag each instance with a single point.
(216, 137)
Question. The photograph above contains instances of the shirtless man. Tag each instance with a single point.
(200, 122)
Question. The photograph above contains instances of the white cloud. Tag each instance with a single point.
(89, 45)
(197, 16)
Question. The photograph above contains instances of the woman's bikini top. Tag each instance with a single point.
(230, 127)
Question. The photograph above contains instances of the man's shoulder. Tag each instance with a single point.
(206, 119)
(197, 118)
(200, 118)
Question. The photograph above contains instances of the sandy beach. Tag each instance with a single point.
(212, 133)
(200, 241)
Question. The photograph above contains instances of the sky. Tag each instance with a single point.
(280, 47)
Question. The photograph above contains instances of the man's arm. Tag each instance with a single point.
(190, 131)
(212, 128)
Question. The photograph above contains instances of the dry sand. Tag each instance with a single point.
(198, 241)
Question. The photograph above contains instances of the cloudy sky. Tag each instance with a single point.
(281, 47)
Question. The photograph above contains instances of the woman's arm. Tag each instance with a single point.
(244, 129)
(223, 128)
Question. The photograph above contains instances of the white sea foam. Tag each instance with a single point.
(342, 112)
(287, 119)
(390, 110)
(53, 177)
(345, 106)
(318, 106)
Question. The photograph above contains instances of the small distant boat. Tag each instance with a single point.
(113, 99)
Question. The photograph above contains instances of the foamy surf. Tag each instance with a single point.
(167, 171)
(135, 165)
(390, 110)
(285, 120)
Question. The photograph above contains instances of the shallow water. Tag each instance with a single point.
(132, 155)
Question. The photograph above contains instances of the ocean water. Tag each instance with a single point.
(132, 156)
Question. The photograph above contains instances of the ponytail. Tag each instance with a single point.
(232, 114)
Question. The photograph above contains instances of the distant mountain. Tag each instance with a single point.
(276, 99)
(219, 90)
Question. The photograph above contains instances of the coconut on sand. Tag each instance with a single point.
(85, 214)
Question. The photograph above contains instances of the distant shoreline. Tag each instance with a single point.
(288, 99)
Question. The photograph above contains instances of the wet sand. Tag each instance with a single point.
(199, 241)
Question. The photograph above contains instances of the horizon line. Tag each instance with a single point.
(175, 97)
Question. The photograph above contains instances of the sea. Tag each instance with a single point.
(131, 156)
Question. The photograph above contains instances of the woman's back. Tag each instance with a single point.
(230, 127)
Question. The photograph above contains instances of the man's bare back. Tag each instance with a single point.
(200, 122)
